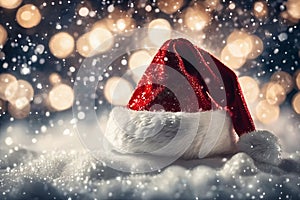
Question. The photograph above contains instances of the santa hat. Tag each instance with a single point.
(185, 88)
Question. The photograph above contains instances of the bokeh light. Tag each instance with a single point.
(61, 97)
(211, 4)
(260, 9)
(138, 62)
(159, 30)
(18, 112)
(61, 44)
(117, 91)
(250, 88)
(28, 16)
(169, 6)
(3, 36)
(297, 79)
(242, 44)
(240, 47)
(284, 79)
(257, 47)
(266, 113)
(98, 40)
(10, 4)
(293, 8)
(5, 81)
(275, 93)
(83, 11)
(296, 103)
(231, 60)
(196, 18)
(119, 21)
(19, 93)
(55, 79)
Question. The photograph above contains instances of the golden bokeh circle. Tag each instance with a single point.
(169, 6)
(230, 60)
(296, 103)
(61, 97)
(257, 47)
(118, 91)
(275, 93)
(293, 8)
(297, 79)
(28, 16)
(3, 36)
(5, 81)
(267, 113)
(61, 44)
(18, 113)
(10, 4)
(196, 18)
(138, 63)
(98, 40)
(20, 92)
(250, 88)
(55, 79)
(284, 79)
(159, 30)
(260, 9)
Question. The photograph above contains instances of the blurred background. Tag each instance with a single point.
(44, 43)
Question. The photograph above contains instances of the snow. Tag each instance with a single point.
(73, 174)
(57, 166)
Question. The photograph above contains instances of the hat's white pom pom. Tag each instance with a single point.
(262, 146)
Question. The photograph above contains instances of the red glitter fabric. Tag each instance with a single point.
(183, 77)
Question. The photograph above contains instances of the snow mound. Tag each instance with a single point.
(76, 175)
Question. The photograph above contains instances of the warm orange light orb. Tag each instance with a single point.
(169, 6)
(61, 97)
(159, 30)
(28, 16)
(10, 4)
(18, 113)
(257, 47)
(5, 81)
(231, 60)
(61, 44)
(267, 113)
(260, 9)
(296, 103)
(196, 18)
(3, 36)
(98, 40)
(293, 8)
(240, 48)
(250, 88)
(237, 34)
(297, 79)
(284, 79)
(54, 79)
(138, 63)
(19, 93)
(117, 91)
(275, 93)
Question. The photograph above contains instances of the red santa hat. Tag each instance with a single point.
(186, 83)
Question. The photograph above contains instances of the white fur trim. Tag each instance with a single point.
(170, 133)
(262, 146)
